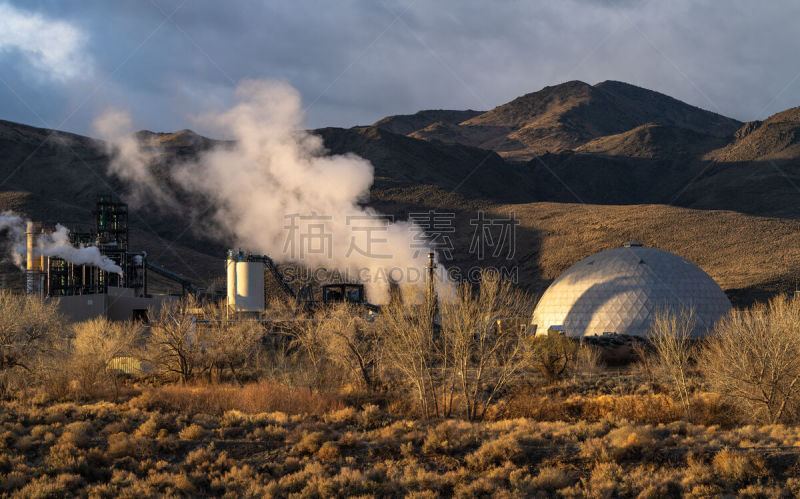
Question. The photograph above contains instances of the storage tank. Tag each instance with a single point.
(230, 271)
(245, 283)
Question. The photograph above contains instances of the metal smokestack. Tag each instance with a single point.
(33, 265)
(31, 229)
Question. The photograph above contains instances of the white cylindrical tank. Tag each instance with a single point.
(230, 270)
(249, 287)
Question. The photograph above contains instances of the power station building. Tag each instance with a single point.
(619, 290)
(83, 290)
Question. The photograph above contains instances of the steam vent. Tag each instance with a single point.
(618, 291)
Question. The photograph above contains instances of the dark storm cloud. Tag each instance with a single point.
(357, 61)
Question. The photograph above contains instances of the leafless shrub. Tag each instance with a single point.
(122, 444)
(310, 353)
(646, 363)
(80, 449)
(466, 349)
(341, 337)
(95, 344)
(738, 467)
(606, 480)
(495, 452)
(482, 338)
(450, 437)
(28, 327)
(670, 335)
(552, 478)
(588, 359)
(409, 338)
(329, 452)
(193, 432)
(231, 346)
(173, 341)
(753, 359)
(264, 396)
(552, 354)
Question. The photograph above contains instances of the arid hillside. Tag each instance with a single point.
(584, 167)
(565, 116)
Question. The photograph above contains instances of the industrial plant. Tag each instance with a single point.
(616, 291)
(248, 276)
(104, 277)
(83, 289)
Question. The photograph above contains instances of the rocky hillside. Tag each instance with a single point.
(565, 116)
(406, 124)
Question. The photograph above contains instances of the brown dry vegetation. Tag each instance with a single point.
(271, 420)
(104, 449)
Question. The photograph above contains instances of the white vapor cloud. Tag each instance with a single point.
(276, 191)
(130, 161)
(12, 234)
(55, 244)
(54, 47)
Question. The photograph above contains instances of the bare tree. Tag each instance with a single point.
(173, 342)
(28, 329)
(350, 342)
(310, 351)
(229, 345)
(96, 344)
(409, 338)
(753, 359)
(670, 335)
(472, 349)
(482, 338)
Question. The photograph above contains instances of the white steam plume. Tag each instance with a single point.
(276, 191)
(130, 162)
(55, 244)
(12, 231)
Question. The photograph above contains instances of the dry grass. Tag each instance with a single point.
(586, 434)
(646, 408)
(110, 450)
(264, 396)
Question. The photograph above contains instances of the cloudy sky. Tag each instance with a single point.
(64, 62)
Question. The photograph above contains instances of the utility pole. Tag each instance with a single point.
(434, 299)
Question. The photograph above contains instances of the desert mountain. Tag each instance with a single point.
(583, 167)
(565, 116)
(653, 141)
(402, 161)
(406, 124)
(775, 139)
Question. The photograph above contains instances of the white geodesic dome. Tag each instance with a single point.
(618, 290)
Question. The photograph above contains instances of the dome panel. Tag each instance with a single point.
(618, 290)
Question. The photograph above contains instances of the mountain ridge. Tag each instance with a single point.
(566, 116)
